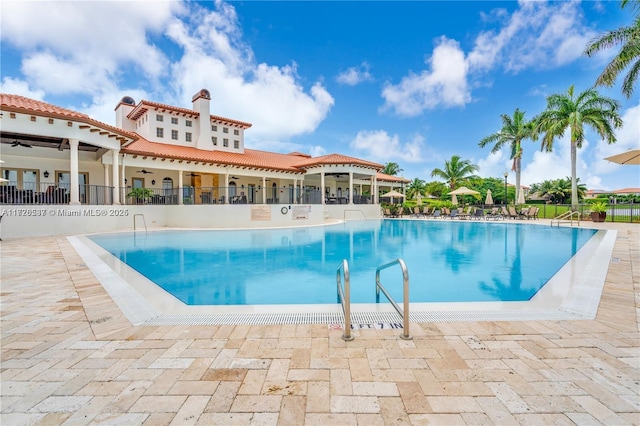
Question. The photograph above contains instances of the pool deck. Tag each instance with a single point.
(69, 356)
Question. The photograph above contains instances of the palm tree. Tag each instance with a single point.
(417, 186)
(455, 170)
(628, 56)
(566, 111)
(514, 131)
(435, 188)
(392, 169)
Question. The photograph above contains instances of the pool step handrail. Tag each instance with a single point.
(344, 213)
(344, 297)
(567, 217)
(404, 313)
(144, 222)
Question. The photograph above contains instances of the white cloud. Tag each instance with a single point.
(444, 84)
(355, 75)
(628, 137)
(91, 41)
(556, 164)
(378, 145)
(20, 87)
(96, 46)
(494, 164)
(537, 35)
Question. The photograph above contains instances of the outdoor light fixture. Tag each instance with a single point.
(125, 181)
(46, 174)
(506, 174)
(153, 181)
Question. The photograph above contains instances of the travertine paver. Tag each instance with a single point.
(68, 356)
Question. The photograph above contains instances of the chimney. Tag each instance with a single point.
(201, 105)
(124, 107)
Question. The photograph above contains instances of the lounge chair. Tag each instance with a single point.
(417, 212)
(400, 211)
(436, 214)
(465, 215)
(494, 214)
(426, 211)
(453, 214)
(512, 213)
(478, 214)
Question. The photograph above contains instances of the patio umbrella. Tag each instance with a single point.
(629, 157)
(4, 180)
(392, 194)
(520, 196)
(463, 190)
(489, 199)
(419, 199)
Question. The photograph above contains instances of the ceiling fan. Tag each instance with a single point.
(18, 143)
(234, 177)
(144, 172)
(192, 174)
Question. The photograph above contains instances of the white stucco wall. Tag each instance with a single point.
(51, 220)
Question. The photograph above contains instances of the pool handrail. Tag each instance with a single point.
(404, 313)
(567, 217)
(345, 298)
(144, 222)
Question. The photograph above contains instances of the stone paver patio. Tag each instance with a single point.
(69, 356)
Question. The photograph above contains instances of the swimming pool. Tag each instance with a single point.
(448, 261)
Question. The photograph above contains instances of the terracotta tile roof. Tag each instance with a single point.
(250, 158)
(23, 105)
(337, 159)
(143, 106)
(382, 177)
(627, 191)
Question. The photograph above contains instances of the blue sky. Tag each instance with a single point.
(408, 82)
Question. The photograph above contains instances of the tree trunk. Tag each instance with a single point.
(574, 182)
(518, 168)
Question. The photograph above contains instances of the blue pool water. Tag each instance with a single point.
(448, 261)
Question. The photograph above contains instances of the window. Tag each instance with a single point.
(159, 117)
(159, 132)
(167, 186)
(236, 144)
(225, 142)
(214, 140)
(174, 120)
(187, 136)
(174, 135)
(236, 132)
(187, 123)
(225, 130)
(214, 128)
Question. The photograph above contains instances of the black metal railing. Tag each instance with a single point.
(51, 193)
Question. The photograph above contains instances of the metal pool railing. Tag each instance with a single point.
(345, 298)
(404, 313)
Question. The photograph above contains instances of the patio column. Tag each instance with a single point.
(322, 188)
(226, 188)
(115, 178)
(350, 188)
(73, 172)
(180, 189)
(264, 190)
(374, 190)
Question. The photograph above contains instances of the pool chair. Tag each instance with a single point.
(426, 211)
(465, 215)
(513, 213)
(478, 214)
(436, 214)
(494, 214)
(532, 213)
(453, 214)
(417, 212)
(400, 211)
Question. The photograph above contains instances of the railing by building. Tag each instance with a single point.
(29, 193)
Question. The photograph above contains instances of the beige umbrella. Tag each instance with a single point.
(419, 199)
(463, 190)
(392, 194)
(4, 180)
(629, 157)
(489, 199)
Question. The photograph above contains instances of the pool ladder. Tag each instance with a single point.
(404, 313)
(144, 222)
(567, 217)
(344, 296)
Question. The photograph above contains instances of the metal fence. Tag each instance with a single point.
(52, 193)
